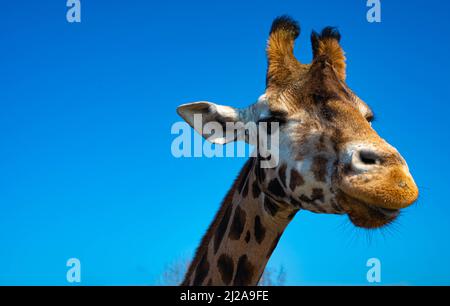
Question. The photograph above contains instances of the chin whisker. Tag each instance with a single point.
(350, 231)
(369, 237)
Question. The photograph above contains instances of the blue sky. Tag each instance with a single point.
(86, 111)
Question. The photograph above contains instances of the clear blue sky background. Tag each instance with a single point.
(86, 109)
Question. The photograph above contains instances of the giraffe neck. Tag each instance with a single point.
(242, 237)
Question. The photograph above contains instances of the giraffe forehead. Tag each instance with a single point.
(310, 106)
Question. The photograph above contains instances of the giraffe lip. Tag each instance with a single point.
(367, 215)
(389, 213)
(386, 211)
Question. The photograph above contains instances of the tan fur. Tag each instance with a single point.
(332, 49)
(282, 63)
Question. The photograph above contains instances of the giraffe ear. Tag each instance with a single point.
(326, 44)
(223, 124)
(210, 120)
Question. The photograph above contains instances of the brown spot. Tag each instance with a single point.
(220, 232)
(260, 173)
(317, 195)
(274, 245)
(225, 265)
(296, 203)
(293, 214)
(327, 112)
(244, 272)
(320, 145)
(282, 175)
(320, 96)
(296, 180)
(319, 168)
(335, 206)
(260, 230)
(247, 237)
(256, 189)
(276, 189)
(244, 192)
(270, 206)
(347, 169)
(237, 227)
(201, 272)
(304, 198)
(209, 282)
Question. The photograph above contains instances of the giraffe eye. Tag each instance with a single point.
(275, 116)
(370, 118)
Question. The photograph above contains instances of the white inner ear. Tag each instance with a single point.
(206, 116)
(224, 112)
(215, 123)
(209, 112)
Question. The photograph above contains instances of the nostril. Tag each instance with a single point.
(369, 158)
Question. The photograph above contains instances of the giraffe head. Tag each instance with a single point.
(331, 160)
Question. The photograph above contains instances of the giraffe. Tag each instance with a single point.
(331, 161)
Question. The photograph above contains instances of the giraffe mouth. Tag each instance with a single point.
(366, 215)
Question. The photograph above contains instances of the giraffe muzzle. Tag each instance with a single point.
(375, 183)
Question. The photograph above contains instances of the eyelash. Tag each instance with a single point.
(280, 120)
